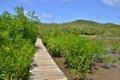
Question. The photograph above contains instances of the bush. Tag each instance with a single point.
(79, 52)
(17, 37)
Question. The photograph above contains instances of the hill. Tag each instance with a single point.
(84, 27)
(89, 23)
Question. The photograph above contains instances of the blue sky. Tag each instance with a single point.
(68, 10)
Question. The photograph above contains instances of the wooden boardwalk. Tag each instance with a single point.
(44, 68)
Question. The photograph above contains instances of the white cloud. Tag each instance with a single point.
(36, 15)
(26, 13)
(47, 15)
(111, 2)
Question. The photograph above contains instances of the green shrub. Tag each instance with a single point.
(17, 37)
(79, 52)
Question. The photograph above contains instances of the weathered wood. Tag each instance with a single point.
(44, 67)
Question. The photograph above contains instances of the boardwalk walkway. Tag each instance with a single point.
(44, 68)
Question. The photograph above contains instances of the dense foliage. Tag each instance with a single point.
(17, 36)
(79, 51)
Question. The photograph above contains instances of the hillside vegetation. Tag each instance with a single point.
(80, 52)
(86, 27)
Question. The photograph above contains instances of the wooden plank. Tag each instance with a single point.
(44, 67)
